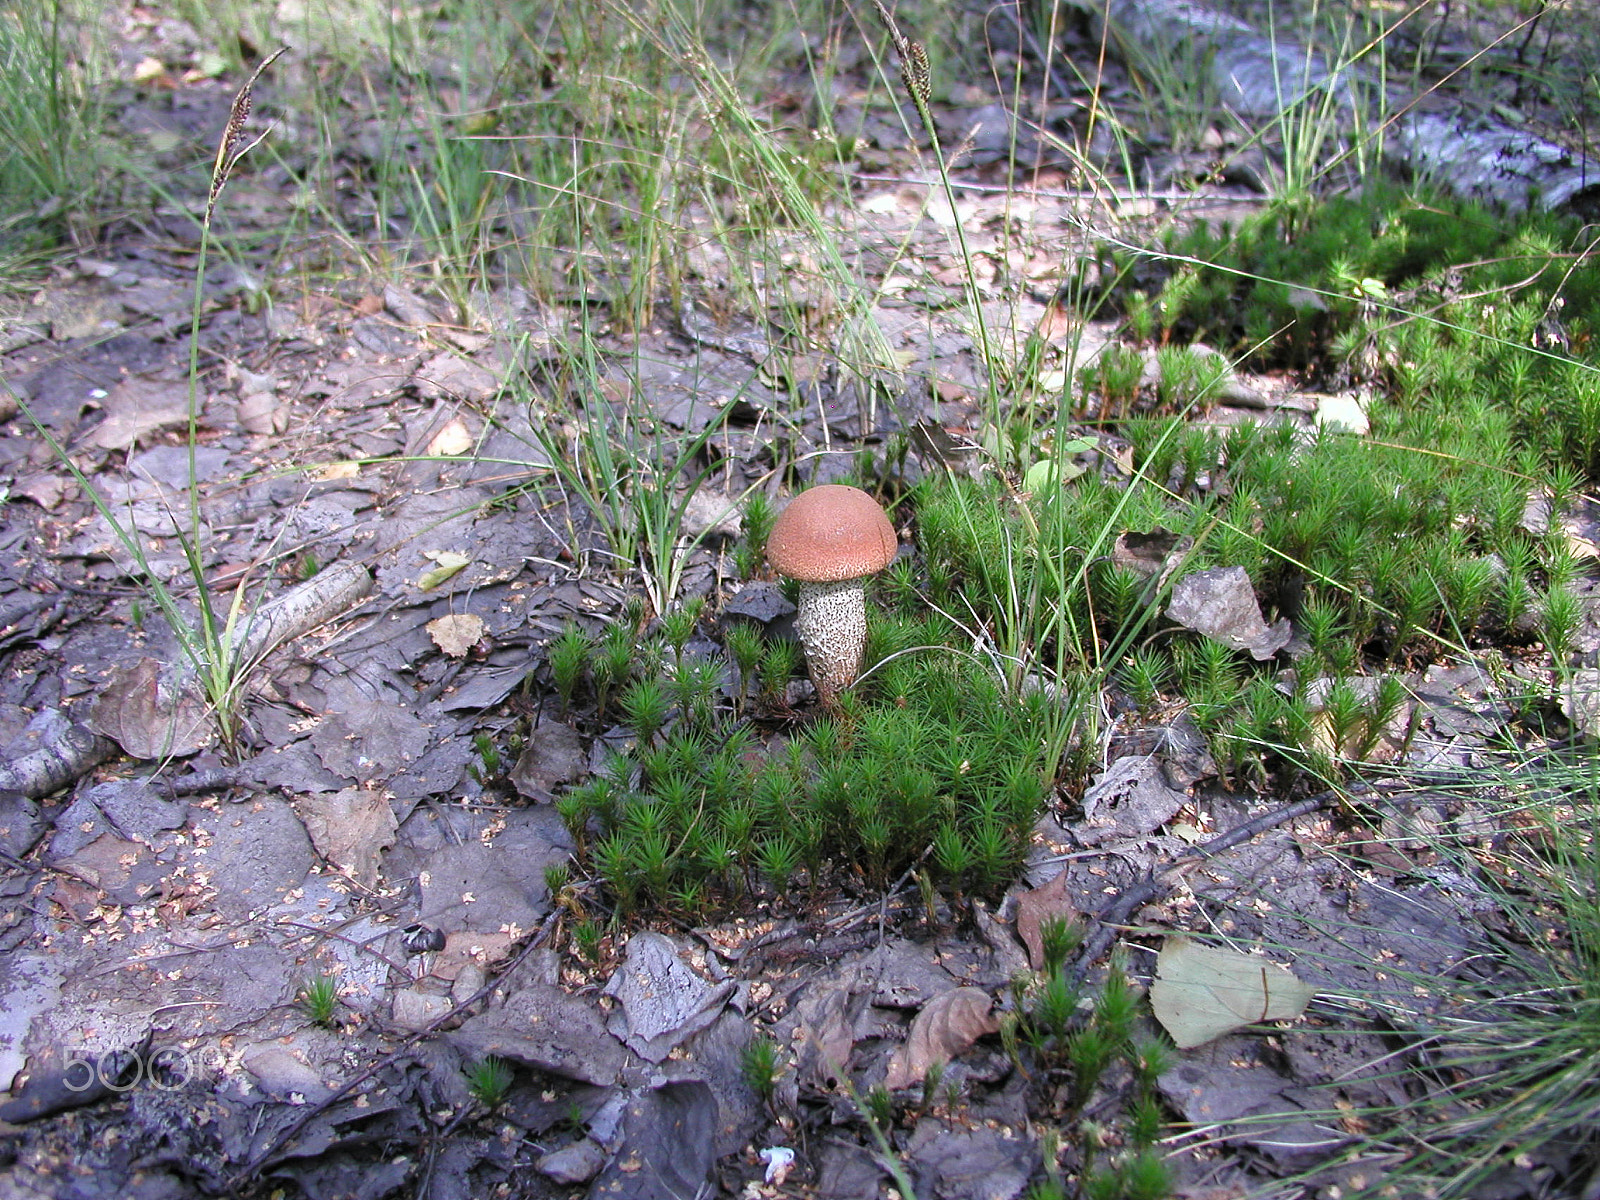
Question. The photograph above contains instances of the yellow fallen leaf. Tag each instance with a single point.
(450, 441)
(456, 633)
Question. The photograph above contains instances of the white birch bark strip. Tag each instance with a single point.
(331, 591)
(68, 752)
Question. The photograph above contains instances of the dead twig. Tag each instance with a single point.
(1119, 910)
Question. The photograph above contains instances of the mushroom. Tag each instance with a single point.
(831, 538)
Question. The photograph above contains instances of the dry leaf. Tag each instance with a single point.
(259, 413)
(137, 408)
(454, 439)
(1221, 605)
(1154, 554)
(1038, 906)
(1130, 798)
(1202, 992)
(451, 563)
(150, 714)
(947, 1025)
(44, 489)
(456, 633)
(1580, 700)
(351, 829)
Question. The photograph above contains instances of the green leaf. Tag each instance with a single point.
(1201, 992)
(450, 563)
(1043, 474)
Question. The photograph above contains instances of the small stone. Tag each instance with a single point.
(577, 1163)
(415, 1009)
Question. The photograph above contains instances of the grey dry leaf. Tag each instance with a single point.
(149, 713)
(351, 829)
(1580, 700)
(138, 407)
(44, 489)
(1221, 604)
(946, 1027)
(1202, 992)
(553, 754)
(660, 1001)
(259, 413)
(1130, 798)
(456, 633)
(450, 376)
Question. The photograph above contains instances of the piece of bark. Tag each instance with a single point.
(64, 751)
(301, 609)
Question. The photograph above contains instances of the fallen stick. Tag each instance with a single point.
(253, 1166)
(1116, 914)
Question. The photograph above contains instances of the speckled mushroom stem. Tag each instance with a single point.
(832, 624)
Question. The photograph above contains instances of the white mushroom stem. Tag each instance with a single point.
(832, 624)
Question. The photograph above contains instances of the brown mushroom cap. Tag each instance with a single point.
(831, 533)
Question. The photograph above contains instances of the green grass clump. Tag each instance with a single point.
(319, 998)
(1079, 1049)
(1386, 553)
(761, 1066)
(1282, 282)
(489, 1080)
(54, 161)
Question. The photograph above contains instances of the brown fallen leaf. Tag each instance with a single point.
(470, 948)
(1038, 906)
(151, 712)
(1154, 555)
(947, 1025)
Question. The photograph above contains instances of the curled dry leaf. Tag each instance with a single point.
(1221, 605)
(947, 1025)
(450, 562)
